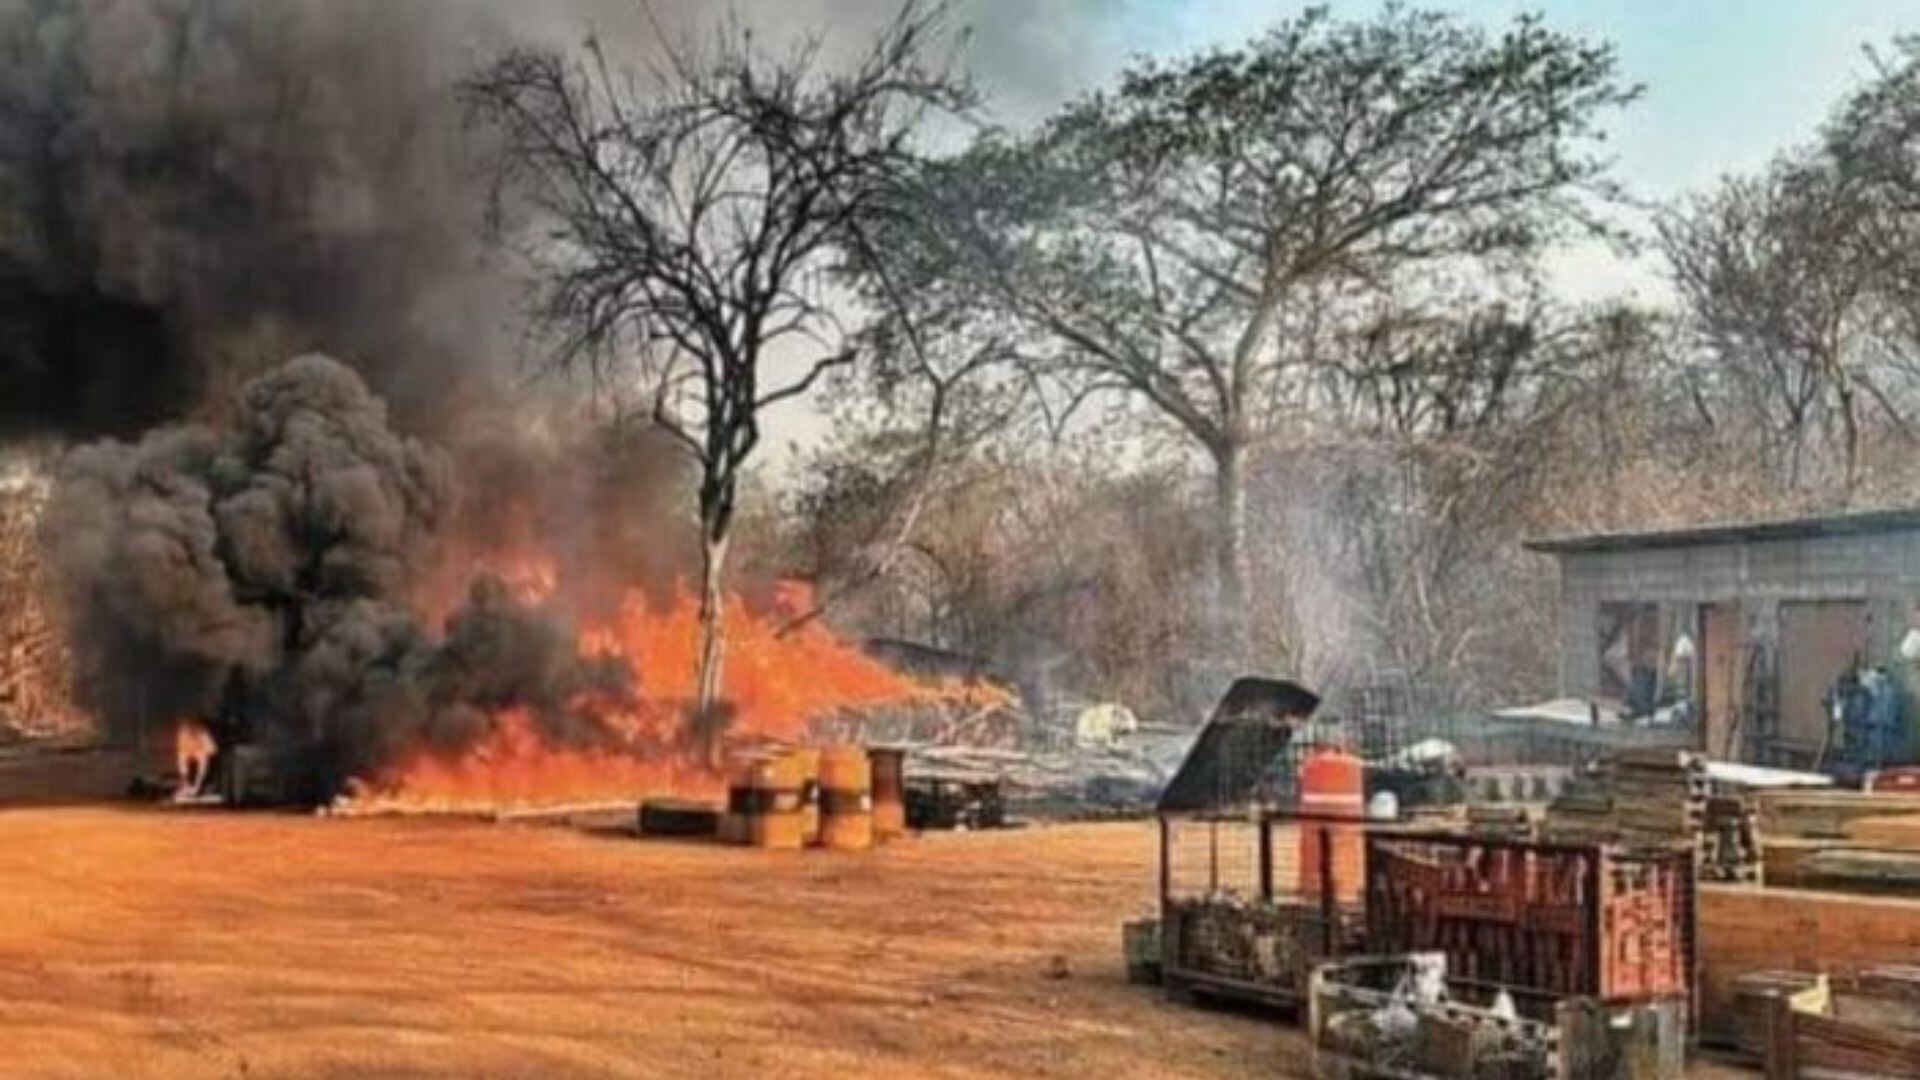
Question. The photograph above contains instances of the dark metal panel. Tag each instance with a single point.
(1250, 727)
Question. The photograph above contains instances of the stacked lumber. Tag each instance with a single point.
(1583, 814)
(1659, 794)
(1895, 833)
(1651, 797)
(1822, 864)
(1828, 813)
(1499, 821)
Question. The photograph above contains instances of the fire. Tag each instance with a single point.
(781, 674)
(193, 750)
(514, 766)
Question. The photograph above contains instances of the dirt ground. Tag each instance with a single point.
(143, 942)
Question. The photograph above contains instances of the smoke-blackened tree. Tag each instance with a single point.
(697, 220)
(1170, 240)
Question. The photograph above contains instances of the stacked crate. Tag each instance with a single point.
(1547, 921)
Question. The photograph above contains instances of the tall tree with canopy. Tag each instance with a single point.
(1173, 240)
(696, 223)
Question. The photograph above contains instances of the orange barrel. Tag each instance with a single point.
(846, 798)
(807, 761)
(779, 820)
(1332, 785)
(889, 791)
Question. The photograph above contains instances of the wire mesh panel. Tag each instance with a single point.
(1252, 904)
(1213, 857)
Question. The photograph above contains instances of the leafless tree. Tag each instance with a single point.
(1780, 284)
(697, 220)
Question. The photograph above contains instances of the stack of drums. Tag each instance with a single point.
(889, 792)
(846, 798)
(765, 803)
(1332, 855)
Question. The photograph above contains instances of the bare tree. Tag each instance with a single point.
(1781, 287)
(1162, 240)
(698, 220)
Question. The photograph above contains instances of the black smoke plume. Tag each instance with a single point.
(275, 552)
(192, 190)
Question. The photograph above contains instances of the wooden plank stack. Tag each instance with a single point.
(1828, 813)
(1499, 821)
(1583, 814)
(1661, 798)
(1654, 797)
(1659, 795)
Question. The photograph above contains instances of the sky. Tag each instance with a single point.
(1728, 83)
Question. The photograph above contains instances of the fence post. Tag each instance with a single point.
(1166, 864)
(1329, 906)
(1213, 855)
(1266, 857)
(1780, 1063)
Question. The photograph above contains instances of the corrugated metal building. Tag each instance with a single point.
(1776, 612)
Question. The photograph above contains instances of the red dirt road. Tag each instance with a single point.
(138, 942)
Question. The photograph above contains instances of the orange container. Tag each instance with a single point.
(1332, 855)
(846, 798)
(807, 764)
(889, 767)
(764, 800)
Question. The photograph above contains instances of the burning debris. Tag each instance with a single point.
(262, 577)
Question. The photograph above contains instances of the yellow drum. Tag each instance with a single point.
(846, 798)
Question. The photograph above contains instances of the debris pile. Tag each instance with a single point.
(1396, 1017)
(1272, 943)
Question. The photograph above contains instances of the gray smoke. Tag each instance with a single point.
(275, 552)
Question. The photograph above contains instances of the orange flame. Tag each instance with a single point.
(778, 678)
(193, 750)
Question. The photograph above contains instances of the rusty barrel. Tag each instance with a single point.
(736, 814)
(764, 800)
(889, 766)
(1332, 855)
(846, 798)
